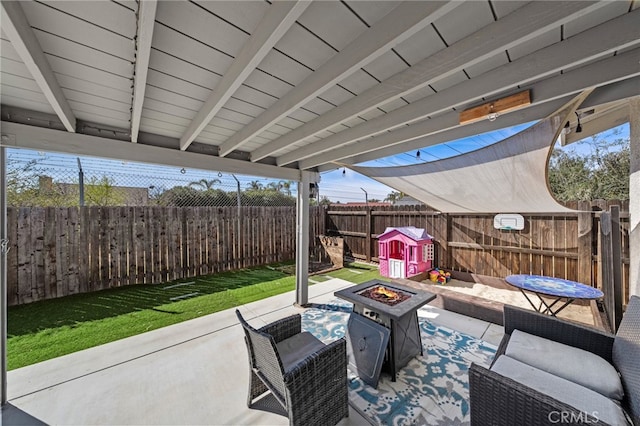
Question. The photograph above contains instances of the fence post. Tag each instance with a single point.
(611, 265)
(368, 231)
(585, 247)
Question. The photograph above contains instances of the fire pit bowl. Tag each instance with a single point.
(385, 294)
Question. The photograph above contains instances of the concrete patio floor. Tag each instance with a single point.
(195, 372)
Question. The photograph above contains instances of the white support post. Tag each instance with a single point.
(634, 196)
(302, 240)
(3, 276)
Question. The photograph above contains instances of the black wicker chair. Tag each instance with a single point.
(499, 400)
(307, 377)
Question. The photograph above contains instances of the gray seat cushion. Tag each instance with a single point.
(576, 365)
(296, 348)
(626, 355)
(582, 399)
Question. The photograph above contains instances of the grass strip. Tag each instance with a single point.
(52, 328)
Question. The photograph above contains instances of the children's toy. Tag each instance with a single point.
(405, 252)
(439, 276)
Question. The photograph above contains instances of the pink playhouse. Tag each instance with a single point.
(405, 252)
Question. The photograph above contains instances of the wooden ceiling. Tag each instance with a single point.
(273, 89)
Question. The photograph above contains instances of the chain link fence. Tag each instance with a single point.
(37, 179)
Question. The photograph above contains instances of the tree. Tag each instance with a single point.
(598, 168)
(394, 196)
(254, 185)
(103, 192)
(205, 184)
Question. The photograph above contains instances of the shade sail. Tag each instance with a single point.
(508, 176)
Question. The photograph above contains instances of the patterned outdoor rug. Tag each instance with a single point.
(432, 389)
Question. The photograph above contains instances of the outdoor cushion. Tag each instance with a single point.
(582, 399)
(573, 364)
(296, 348)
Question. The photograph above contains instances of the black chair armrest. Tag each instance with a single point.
(589, 339)
(284, 328)
(318, 382)
(498, 400)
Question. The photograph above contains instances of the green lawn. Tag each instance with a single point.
(52, 328)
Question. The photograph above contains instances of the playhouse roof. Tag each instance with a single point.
(410, 231)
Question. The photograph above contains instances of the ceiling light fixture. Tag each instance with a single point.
(492, 110)
(579, 126)
(567, 129)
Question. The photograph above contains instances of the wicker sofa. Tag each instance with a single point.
(549, 371)
(307, 377)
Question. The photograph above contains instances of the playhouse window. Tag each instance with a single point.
(427, 252)
(412, 253)
(383, 250)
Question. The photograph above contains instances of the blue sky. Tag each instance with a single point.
(349, 186)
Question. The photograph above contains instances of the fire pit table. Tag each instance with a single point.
(384, 332)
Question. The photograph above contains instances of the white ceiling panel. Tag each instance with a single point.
(81, 110)
(371, 114)
(173, 66)
(339, 127)
(336, 95)
(418, 94)
(7, 50)
(222, 126)
(174, 120)
(91, 99)
(26, 83)
(108, 15)
(505, 7)
(82, 54)
(385, 66)
(394, 104)
(88, 73)
(302, 114)
(9, 66)
(354, 121)
(67, 82)
(284, 68)
(290, 123)
(304, 47)
(333, 22)
(358, 82)
(234, 116)
(23, 93)
(20, 101)
(163, 107)
(487, 65)
(267, 83)
(245, 14)
(244, 107)
(63, 25)
(449, 81)
(466, 19)
(172, 98)
(277, 130)
(610, 11)
(186, 88)
(422, 45)
(201, 25)
(523, 49)
(318, 106)
(150, 127)
(372, 11)
(253, 96)
(173, 43)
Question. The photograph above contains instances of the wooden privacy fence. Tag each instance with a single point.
(559, 245)
(55, 252)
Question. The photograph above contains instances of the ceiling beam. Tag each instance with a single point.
(16, 135)
(276, 22)
(600, 123)
(146, 20)
(600, 73)
(398, 25)
(519, 26)
(582, 48)
(26, 44)
(532, 113)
